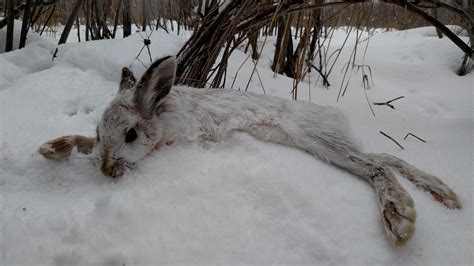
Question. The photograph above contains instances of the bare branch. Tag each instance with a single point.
(390, 138)
(410, 134)
(325, 79)
(387, 103)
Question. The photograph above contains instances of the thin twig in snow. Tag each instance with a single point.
(55, 54)
(237, 72)
(365, 79)
(387, 103)
(410, 134)
(396, 142)
(260, 79)
(325, 79)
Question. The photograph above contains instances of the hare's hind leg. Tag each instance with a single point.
(395, 204)
(423, 181)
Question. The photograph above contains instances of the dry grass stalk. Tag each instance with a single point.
(413, 135)
(392, 139)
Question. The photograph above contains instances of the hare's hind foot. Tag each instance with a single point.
(396, 206)
(434, 186)
(399, 227)
(60, 148)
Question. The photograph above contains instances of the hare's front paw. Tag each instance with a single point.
(57, 149)
(399, 221)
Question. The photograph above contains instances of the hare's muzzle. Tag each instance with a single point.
(113, 170)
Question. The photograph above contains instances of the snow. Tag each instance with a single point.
(240, 201)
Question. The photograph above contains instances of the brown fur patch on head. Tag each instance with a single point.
(114, 114)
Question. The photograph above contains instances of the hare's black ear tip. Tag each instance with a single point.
(164, 61)
(167, 58)
(126, 70)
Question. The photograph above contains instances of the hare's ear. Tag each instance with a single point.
(127, 81)
(155, 84)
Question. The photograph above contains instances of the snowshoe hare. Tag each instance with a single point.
(151, 112)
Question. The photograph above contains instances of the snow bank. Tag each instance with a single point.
(240, 201)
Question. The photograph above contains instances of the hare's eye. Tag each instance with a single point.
(131, 135)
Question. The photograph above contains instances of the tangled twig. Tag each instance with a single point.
(146, 43)
(388, 103)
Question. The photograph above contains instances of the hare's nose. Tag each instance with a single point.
(106, 169)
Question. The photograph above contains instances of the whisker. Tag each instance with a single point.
(134, 172)
(137, 170)
(94, 121)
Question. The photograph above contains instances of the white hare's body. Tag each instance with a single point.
(152, 112)
(211, 115)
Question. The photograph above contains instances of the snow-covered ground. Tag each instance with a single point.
(241, 201)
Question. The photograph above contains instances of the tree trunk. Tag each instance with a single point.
(96, 26)
(253, 37)
(101, 14)
(199, 9)
(289, 66)
(469, 8)
(10, 25)
(316, 33)
(86, 14)
(283, 39)
(144, 15)
(435, 15)
(117, 13)
(127, 21)
(48, 19)
(278, 44)
(25, 24)
(78, 30)
(467, 65)
(206, 8)
(70, 22)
